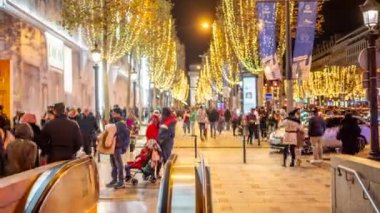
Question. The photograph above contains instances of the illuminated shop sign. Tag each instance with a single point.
(55, 49)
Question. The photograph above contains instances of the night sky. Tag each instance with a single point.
(341, 16)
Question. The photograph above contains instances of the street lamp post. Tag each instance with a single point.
(96, 57)
(370, 11)
(134, 79)
(152, 96)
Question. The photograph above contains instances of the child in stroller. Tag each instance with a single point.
(146, 163)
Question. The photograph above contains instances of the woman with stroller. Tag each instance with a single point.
(293, 127)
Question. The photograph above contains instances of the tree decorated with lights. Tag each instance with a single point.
(113, 27)
(180, 90)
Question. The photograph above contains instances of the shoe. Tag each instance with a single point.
(111, 184)
(128, 178)
(119, 185)
(298, 162)
(292, 164)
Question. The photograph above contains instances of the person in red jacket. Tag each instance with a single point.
(153, 128)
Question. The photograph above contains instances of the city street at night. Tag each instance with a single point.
(180, 106)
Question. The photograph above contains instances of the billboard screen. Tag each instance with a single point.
(249, 93)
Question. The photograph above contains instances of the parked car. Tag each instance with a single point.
(329, 140)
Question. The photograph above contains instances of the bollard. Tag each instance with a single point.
(195, 146)
(244, 151)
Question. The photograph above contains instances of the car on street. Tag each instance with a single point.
(329, 140)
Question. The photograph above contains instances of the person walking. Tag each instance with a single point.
(256, 126)
(213, 118)
(235, 122)
(202, 119)
(193, 119)
(89, 127)
(186, 121)
(317, 127)
(221, 122)
(167, 133)
(348, 134)
(60, 138)
(227, 117)
(250, 122)
(292, 126)
(22, 152)
(122, 142)
(263, 123)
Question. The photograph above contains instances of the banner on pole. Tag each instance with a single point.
(267, 37)
(303, 49)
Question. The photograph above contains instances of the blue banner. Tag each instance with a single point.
(303, 49)
(267, 37)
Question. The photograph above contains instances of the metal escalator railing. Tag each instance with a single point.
(203, 194)
(164, 202)
(366, 194)
(51, 183)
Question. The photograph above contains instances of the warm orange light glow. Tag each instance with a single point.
(205, 25)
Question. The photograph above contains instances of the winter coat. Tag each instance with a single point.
(122, 136)
(21, 156)
(213, 116)
(292, 127)
(348, 134)
(193, 116)
(166, 136)
(140, 159)
(61, 139)
(317, 126)
(202, 116)
(88, 125)
(152, 132)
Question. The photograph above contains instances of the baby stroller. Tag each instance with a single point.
(145, 163)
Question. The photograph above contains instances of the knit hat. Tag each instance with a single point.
(24, 131)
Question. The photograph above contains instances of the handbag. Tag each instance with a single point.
(107, 140)
(300, 138)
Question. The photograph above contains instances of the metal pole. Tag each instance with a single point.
(195, 146)
(96, 70)
(134, 97)
(288, 64)
(244, 150)
(371, 54)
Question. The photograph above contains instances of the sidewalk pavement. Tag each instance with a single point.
(263, 185)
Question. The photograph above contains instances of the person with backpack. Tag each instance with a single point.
(121, 140)
(317, 127)
(348, 134)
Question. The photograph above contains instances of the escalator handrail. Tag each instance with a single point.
(205, 181)
(46, 181)
(165, 193)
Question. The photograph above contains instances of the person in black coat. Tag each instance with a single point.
(88, 126)
(227, 117)
(60, 138)
(213, 117)
(348, 134)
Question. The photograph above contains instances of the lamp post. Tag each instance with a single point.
(370, 11)
(152, 96)
(96, 57)
(134, 80)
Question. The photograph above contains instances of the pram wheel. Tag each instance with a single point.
(134, 181)
(153, 180)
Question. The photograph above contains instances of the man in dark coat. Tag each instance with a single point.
(348, 134)
(88, 127)
(166, 133)
(213, 117)
(227, 117)
(60, 138)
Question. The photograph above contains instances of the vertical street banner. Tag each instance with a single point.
(303, 49)
(267, 37)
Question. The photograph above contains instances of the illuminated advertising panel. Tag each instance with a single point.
(249, 93)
